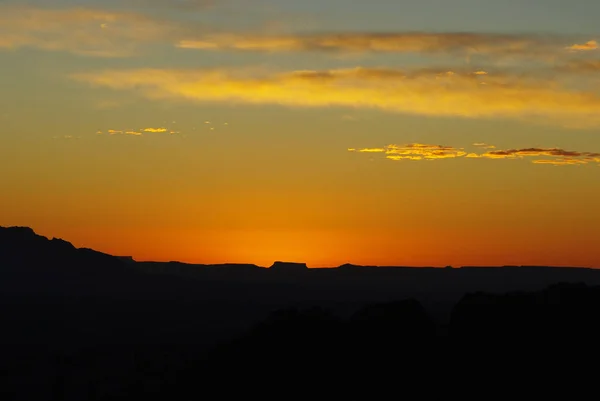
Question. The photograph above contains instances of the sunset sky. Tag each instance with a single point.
(405, 132)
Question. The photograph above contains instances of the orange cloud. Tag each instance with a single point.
(590, 45)
(82, 31)
(418, 92)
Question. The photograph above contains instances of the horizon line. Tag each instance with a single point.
(132, 258)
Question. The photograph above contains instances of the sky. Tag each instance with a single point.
(404, 132)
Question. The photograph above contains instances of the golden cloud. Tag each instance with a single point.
(418, 151)
(418, 92)
(82, 31)
(414, 151)
(155, 130)
(590, 45)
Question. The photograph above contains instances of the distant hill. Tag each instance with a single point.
(77, 323)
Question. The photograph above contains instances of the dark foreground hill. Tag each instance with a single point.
(81, 325)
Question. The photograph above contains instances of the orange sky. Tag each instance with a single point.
(282, 133)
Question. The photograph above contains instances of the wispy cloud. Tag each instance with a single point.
(417, 151)
(155, 130)
(82, 31)
(108, 31)
(123, 132)
(429, 92)
(562, 162)
(393, 42)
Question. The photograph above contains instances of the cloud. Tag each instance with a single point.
(368, 150)
(426, 92)
(418, 152)
(414, 151)
(590, 45)
(563, 162)
(533, 152)
(82, 31)
(121, 132)
(139, 132)
(393, 42)
(85, 30)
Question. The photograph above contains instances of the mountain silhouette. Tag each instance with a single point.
(81, 324)
(288, 266)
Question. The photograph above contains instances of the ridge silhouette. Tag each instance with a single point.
(79, 324)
